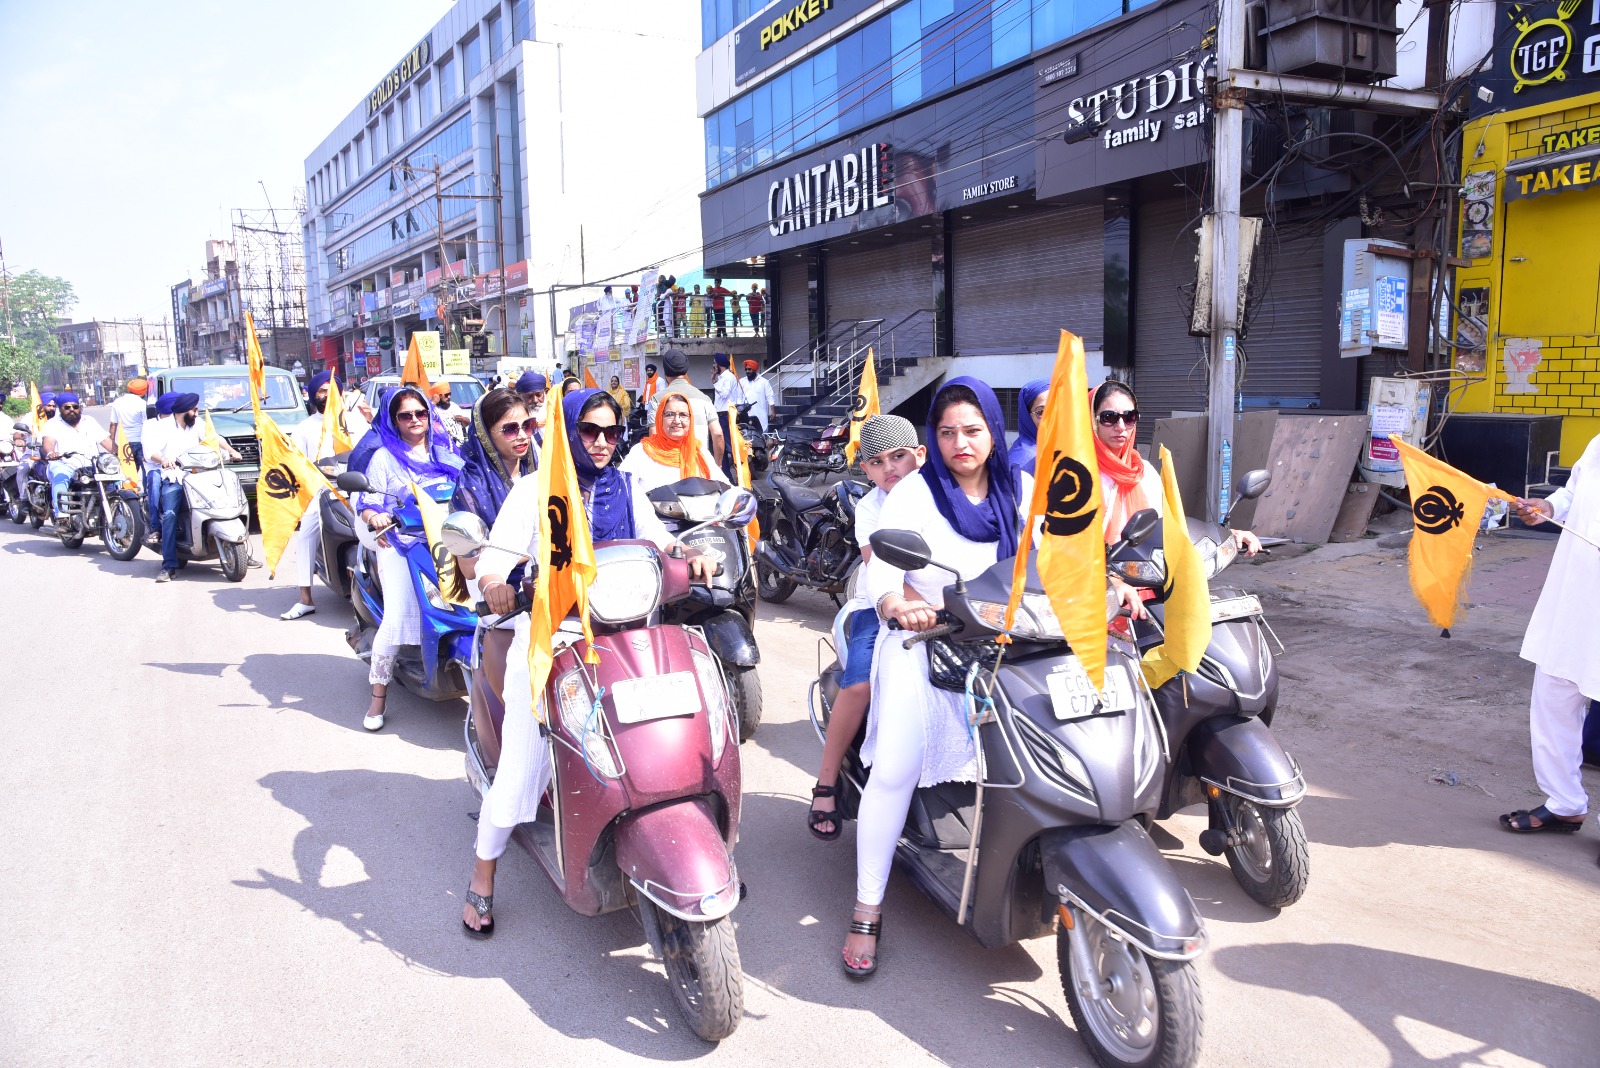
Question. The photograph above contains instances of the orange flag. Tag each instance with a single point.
(588, 379)
(258, 370)
(1066, 492)
(1446, 506)
(336, 437)
(414, 373)
(288, 486)
(866, 406)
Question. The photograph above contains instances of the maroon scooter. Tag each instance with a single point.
(643, 805)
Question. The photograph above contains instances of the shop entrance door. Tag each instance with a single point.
(1552, 273)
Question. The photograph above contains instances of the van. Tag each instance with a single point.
(225, 392)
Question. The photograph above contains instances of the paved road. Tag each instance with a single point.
(207, 861)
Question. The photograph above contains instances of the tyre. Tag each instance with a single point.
(124, 530)
(772, 586)
(744, 685)
(235, 561)
(17, 510)
(35, 519)
(1272, 861)
(71, 534)
(702, 962)
(1151, 1014)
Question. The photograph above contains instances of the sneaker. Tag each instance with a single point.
(164, 576)
(299, 610)
(373, 723)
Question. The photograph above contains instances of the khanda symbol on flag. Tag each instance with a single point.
(131, 477)
(865, 407)
(452, 584)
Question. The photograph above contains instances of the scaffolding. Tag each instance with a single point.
(272, 280)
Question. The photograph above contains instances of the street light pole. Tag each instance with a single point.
(1226, 174)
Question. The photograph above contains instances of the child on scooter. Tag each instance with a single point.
(889, 452)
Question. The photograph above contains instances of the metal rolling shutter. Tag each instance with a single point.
(794, 306)
(1282, 346)
(1168, 365)
(1019, 281)
(886, 283)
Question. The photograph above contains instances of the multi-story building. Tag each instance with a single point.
(490, 170)
(207, 316)
(106, 353)
(208, 312)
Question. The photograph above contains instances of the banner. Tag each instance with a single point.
(1188, 604)
(456, 361)
(427, 344)
(289, 485)
(639, 328)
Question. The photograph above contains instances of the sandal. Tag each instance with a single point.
(1521, 822)
(481, 905)
(862, 967)
(815, 818)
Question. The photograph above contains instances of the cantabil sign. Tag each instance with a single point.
(413, 64)
(838, 189)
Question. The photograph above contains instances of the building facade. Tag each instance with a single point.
(208, 312)
(106, 353)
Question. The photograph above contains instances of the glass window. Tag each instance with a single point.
(935, 11)
(429, 103)
(972, 47)
(521, 27)
(825, 79)
(938, 56)
(724, 16)
(782, 115)
(762, 117)
(713, 172)
(472, 61)
(805, 105)
(391, 128)
(1052, 21)
(905, 35)
(492, 28)
(408, 115)
(448, 86)
(849, 77)
(727, 143)
(1090, 13)
(875, 60)
(1009, 32)
(744, 132)
(708, 24)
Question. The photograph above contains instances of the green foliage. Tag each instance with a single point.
(16, 406)
(35, 303)
(17, 364)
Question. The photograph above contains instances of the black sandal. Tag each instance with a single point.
(1521, 822)
(481, 905)
(864, 966)
(815, 817)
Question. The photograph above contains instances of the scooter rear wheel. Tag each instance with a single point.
(1151, 1015)
(702, 962)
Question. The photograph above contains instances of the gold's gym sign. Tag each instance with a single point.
(414, 62)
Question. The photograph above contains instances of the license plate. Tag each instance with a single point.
(1072, 695)
(1235, 607)
(658, 697)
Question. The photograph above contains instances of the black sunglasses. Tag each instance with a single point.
(413, 415)
(1109, 418)
(71, 408)
(525, 428)
(589, 431)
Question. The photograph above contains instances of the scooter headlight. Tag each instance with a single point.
(716, 695)
(627, 584)
(583, 719)
(1152, 572)
(1036, 618)
(1215, 557)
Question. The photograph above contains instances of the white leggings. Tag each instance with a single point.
(1555, 722)
(895, 771)
(491, 839)
(402, 618)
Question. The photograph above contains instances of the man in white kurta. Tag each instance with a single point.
(1563, 641)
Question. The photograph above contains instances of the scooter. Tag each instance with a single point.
(10, 497)
(214, 520)
(340, 544)
(1078, 772)
(643, 806)
(439, 669)
(726, 609)
(1219, 722)
(809, 538)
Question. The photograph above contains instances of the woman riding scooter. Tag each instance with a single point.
(672, 452)
(617, 509)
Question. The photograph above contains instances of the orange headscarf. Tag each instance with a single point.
(685, 455)
(1127, 472)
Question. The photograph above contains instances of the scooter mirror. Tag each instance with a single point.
(1140, 526)
(352, 482)
(904, 549)
(464, 534)
(735, 505)
(1253, 484)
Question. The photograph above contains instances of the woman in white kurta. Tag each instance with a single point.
(968, 504)
(671, 452)
(1563, 642)
(617, 509)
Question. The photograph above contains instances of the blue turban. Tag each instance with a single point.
(164, 403)
(320, 379)
(65, 397)
(721, 358)
(47, 398)
(184, 402)
(532, 382)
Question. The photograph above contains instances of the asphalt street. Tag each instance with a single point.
(210, 862)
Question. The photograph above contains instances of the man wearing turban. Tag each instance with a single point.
(165, 444)
(70, 441)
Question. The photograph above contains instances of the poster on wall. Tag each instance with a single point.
(1477, 215)
(456, 361)
(1522, 357)
(428, 348)
(1472, 330)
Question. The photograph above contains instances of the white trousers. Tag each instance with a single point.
(307, 543)
(886, 800)
(1555, 726)
(492, 839)
(402, 617)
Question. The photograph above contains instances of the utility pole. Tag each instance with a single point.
(5, 298)
(1227, 152)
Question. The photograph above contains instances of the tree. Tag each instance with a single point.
(17, 364)
(34, 304)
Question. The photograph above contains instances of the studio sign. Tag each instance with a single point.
(837, 189)
(1141, 98)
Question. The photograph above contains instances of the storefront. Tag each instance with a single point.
(1528, 303)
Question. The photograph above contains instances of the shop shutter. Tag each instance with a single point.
(1019, 281)
(1168, 365)
(1282, 343)
(794, 306)
(888, 283)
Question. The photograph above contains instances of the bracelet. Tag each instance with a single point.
(878, 607)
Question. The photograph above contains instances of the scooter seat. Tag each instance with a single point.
(800, 498)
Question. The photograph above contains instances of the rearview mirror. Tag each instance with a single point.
(1140, 526)
(1253, 484)
(735, 505)
(352, 482)
(464, 534)
(905, 549)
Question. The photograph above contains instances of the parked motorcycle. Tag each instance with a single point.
(756, 436)
(643, 806)
(804, 455)
(808, 538)
(1080, 771)
(437, 670)
(1219, 722)
(726, 609)
(10, 496)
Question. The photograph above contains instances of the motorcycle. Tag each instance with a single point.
(643, 805)
(1080, 774)
(809, 538)
(10, 497)
(726, 609)
(805, 456)
(756, 435)
(1218, 721)
(439, 669)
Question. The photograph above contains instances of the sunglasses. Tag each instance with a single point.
(444, 398)
(590, 431)
(523, 429)
(415, 415)
(1108, 418)
(71, 408)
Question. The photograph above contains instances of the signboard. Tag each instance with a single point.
(1563, 174)
(457, 361)
(213, 287)
(428, 307)
(411, 64)
(428, 348)
(374, 363)
(455, 270)
(847, 185)
(785, 28)
(1547, 51)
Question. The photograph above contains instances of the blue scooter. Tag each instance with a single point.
(440, 669)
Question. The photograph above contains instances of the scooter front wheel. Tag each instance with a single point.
(1148, 1014)
(233, 558)
(702, 962)
(1271, 860)
(744, 685)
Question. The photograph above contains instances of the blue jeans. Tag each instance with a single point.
(152, 499)
(60, 477)
(171, 505)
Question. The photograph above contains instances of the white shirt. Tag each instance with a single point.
(909, 506)
(1563, 636)
(309, 439)
(169, 440)
(154, 427)
(869, 515)
(128, 412)
(85, 437)
(757, 392)
(651, 475)
(723, 388)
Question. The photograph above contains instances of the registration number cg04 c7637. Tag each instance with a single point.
(1073, 696)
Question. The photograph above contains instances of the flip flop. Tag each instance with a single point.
(1519, 822)
(481, 905)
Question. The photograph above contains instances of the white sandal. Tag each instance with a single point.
(300, 610)
(375, 722)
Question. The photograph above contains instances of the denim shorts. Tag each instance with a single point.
(861, 637)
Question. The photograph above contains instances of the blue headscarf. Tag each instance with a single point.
(609, 493)
(485, 479)
(1026, 446)
(995, 519)
(442, 461)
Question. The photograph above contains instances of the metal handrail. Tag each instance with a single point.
(844, 372)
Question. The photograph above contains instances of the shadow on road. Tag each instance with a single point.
(333, 612)
(1390, 994)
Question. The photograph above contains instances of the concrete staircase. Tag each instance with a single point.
(817, 383)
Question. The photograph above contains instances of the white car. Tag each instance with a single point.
(464, 389)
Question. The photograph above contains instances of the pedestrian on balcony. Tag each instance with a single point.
(757, 303)
(718, 295)
(733, 306)
(697, 313)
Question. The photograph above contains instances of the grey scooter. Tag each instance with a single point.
(1067, 850)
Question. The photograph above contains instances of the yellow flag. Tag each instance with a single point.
(257, 365)
(866, 406)
(1188, 604)
(452, 584)
(414, 373)
(1446, 507)
(132, 477)
(288, 486)
(741, 469)
(565, 556)
(210, 437)
(35, 408)
(1066, 492)
(336, 438)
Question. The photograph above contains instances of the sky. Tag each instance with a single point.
(130, 128)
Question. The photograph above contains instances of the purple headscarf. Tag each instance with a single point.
(608, 490)
(995, 518)
(442, 461)
(1026, 447)
(485, 479)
